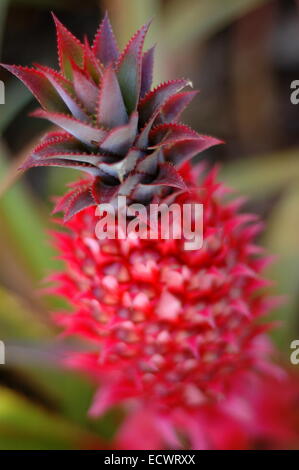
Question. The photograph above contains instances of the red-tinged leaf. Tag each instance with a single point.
(119, 140)
(147, 71)
(157, 97)
(129, 162)
(69, 48)
(128, 186)
(175, 105)
(104, 46)
(84, 132)
(168, 176)
(108, 172)
(79, 201)
(175, 140)
(39, 86)
(129, 69)
(65, 89)
(65, 163)
(148, 165)
(92, 65)
(111, 107)
(165, 134)
(92, 159)
(102, 193)
(56, 134)
(188, 148)
(85, 89)
(121, 168)
(148, 131)
(142, 140)
(63, 202)
(56, 143)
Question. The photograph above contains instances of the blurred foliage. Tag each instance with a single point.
(191, 33)
(26, 426)
(259, 178)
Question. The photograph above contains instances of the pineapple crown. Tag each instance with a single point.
(113, 126)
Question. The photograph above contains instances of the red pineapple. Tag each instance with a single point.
(175, 334)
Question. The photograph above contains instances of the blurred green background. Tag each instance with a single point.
(243, 56)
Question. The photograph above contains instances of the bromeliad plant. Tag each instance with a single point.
(115, 127)
(175, 333)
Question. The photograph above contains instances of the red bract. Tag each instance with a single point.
(173, 332)
(258, 412)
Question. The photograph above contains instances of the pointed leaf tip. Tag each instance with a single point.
(82, 131)
(104, 45)
(187, 148)
(156, 98)
(129, 69)
(69, 47)
(85, 88)
(111, 107)
(80, 201)
(92, 65)
(65, 90)
(39, 85)
(120, 139)
(147, 71)
(175, 105)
